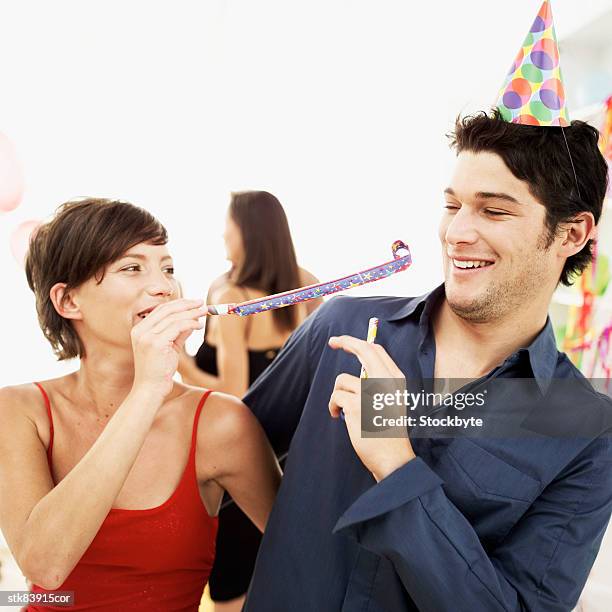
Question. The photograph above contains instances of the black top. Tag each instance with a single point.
(206, 360)
(206, 357)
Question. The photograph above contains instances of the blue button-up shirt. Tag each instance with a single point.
(470, 524)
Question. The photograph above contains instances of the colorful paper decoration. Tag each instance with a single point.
(533, 92)
(402, 260)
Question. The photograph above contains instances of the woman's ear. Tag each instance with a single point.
(577, 233)
(64, 302)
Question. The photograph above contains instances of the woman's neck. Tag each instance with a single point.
(103, 381)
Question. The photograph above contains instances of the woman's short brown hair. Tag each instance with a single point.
(78, 243)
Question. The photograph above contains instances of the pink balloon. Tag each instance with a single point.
(20, 240)
(11, 176)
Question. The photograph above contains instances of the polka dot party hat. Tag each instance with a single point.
(533, 91)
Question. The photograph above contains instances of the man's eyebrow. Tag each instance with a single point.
(142, 257)
(487, 195)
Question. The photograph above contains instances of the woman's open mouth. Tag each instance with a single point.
(143, 313)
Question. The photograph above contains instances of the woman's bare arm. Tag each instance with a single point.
(232, 349)
(232, 354)
(49, 528)
(237, 455)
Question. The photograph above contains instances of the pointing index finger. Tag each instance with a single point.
(367, 354)
(373, 357)
(350, 344)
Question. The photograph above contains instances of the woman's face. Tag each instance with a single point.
(132, 286)
(234, 247)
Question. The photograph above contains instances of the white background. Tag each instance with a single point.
(338, 107)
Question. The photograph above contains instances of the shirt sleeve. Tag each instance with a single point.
(277, 398)
(542, 564)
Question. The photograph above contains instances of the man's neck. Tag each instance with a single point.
(465, 349)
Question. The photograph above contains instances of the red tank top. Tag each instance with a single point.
(153, 559)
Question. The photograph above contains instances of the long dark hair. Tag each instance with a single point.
(269, 263)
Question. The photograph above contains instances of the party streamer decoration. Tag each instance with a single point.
(402, 260)
(606, 132)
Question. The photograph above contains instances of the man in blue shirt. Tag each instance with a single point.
(437, 524)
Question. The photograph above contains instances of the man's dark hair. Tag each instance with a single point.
(78, 243)
(539, 156)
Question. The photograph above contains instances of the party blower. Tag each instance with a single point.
(400, 262)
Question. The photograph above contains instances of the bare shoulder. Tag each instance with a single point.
(228, 293)
(20, 401)
(218, 283)
(225, 423)
(187, 396)
(22, 413)
(25, 404)
(184, 393)
(226, 417)
(307, 278)
(223, 416)
(223, 291)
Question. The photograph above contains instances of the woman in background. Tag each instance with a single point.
(236, 350)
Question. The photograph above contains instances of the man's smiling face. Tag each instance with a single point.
(494, 241)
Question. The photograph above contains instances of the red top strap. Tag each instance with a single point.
(196, 420)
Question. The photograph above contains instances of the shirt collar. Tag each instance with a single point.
(542, 352)
(412, 305)
(543, 355)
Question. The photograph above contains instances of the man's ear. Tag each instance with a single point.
(576, 233)
(64, 302)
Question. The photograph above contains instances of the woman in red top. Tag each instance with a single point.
(111, 476)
